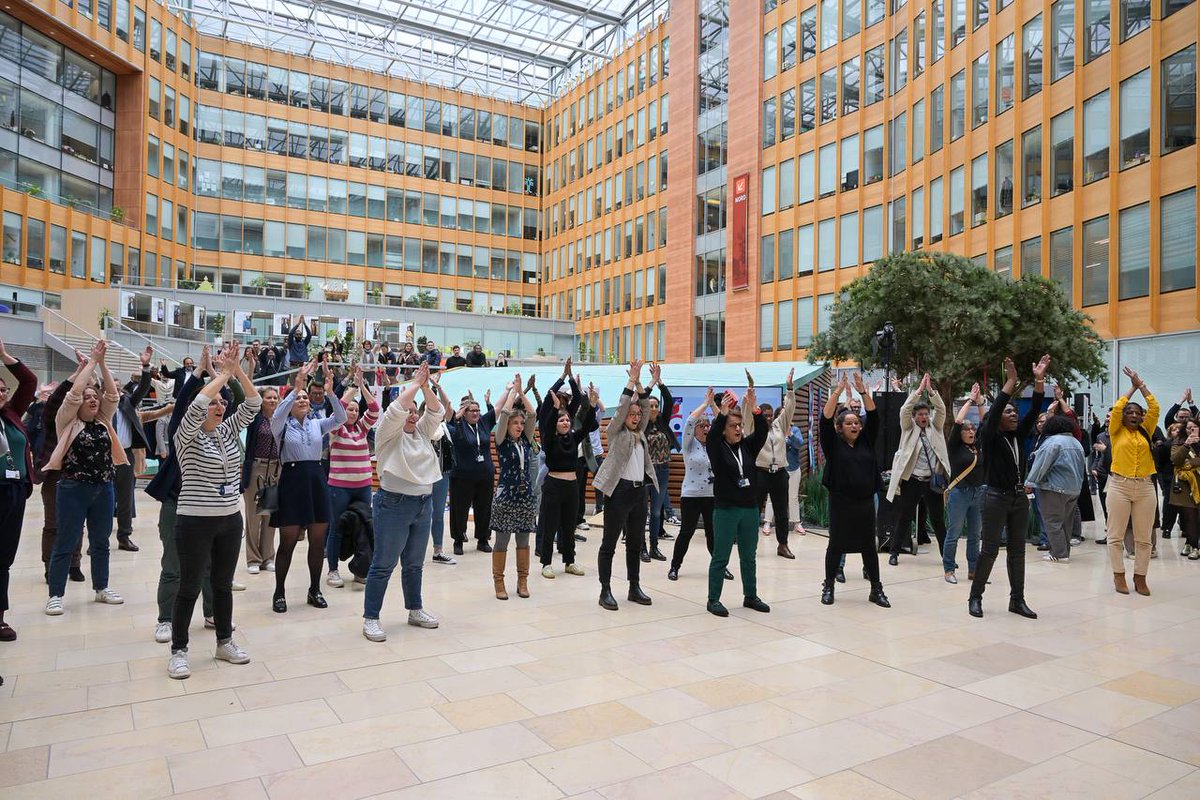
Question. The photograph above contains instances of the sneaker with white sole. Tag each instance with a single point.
(574, 569)
(548, 572)
(109, 597)
(422, 618)
(229, 651)
(583, 526)
(253, 568)
(442, 558)
(1056, 559)
(177, 665)
(1194, 555)
(372, 631)
(54, 607)
(1185, 550)
(270, 565)
(162, 632)
(237, 587)
(211, 624)
(334, 579)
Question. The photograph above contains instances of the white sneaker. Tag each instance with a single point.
(162, 632)
(177, 665)
(583, 526)
(548, 572)
(442, 558)
(1056, 559)
(1194, 555)
(110, 597)
(229, 651)
(270, 565)
(574, 569)
(373, 632)
(422, 618)
(54, 607)
(1185, 550)
(252, 568)
(334, 580)
(211, 624)
(237, 587)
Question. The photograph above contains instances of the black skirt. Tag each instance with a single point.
(851, 524)
(303, 495)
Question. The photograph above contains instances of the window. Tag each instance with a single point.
(1179, 100)
(826, 244)
(918, 45)
(896, 213)
(766, 259)
(979, 13)
(850, 163)
(873, 155)
(829, 101)
(872, 233)
(787, 184)
(1062, 153)
(851, 17)
(848, 247)
(918, 220)
(768, 122)
(1177, 261)
(1004, 179)
(873, 77)
(784, 335)
(898, 129)
(1133, 256)
(770, 54)
(1004, 74)
(12, 238)
(979, 189)
(787, 41)
(807, 184)
(958, 22)
(1031, 57)
(979, 91)
(1171, 6)
(804, 322)
(936, 196)
(767, 193)
(937, 121)
(958, 105)
(1002, 261)
(804, 250)
(766, 327)
(808, 105)
(1095, 137)
(1096, 20)
(139, 29)
(918, 131)
(808, 33)
(937, 11)
(827, 169)
(899, 61)
(1062, 15)
(1095, 261)
(1031, 167)
(1135, 119)
(1062, 260)
(829, 23)
(1031, 257)
(956, 201)
(788, 117)
(850, 86)
(1135, 17)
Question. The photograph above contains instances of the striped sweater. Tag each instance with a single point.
(211, 461)
(349, 456)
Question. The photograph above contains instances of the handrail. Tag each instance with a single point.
(159, 352)
(68, 322)
(91, 337)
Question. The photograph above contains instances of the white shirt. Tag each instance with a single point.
(124, 432)
(635, 467)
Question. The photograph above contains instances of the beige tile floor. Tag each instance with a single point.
(552, 697)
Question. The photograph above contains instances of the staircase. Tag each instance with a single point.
(64, 337)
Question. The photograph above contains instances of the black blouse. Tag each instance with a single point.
(961, 457)
(89, 459)
(851, 470)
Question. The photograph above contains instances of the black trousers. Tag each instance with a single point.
(691, 509)
(581, 478)
(1189, 523)
(1003, 509)
(624, 512)
(912, 493)
(468, 493)
(123, 485)
(1170, 512)
(557, 520)
(12, 514)
(201, 541)
(775, 486)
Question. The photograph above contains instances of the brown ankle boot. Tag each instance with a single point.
(1139, 585)
(499, 557)
(1119, 583)
(522, 572)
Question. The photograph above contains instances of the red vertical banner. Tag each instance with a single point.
(737, 235)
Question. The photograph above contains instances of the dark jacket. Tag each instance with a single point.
(248, 456)
(665, 410)
(17, 405)
(35, 427)
(358, 537)
(179, 375)
(467, 448)
(49, 428)
(297, 349)
(128, 405)
(455, 361)
(726, 473)
(432, 357)
(167, 482)
(476, 359)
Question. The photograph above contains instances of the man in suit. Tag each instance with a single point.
(919, 462)
(132, 437)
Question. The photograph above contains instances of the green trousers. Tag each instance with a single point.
(737, 524)
(168, 576)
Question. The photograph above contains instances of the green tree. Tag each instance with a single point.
(957, 321)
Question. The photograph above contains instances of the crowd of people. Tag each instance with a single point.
(272, 446)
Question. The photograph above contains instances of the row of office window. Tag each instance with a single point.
(640, 288)
(643, 179)
(626, 84)
(51, 247)
(790, 323)
(301, 90)
(257, 237)
(617, 345)
(644, 233)
(612, 143)
(230, 181)
(48, 60)
(314, 143)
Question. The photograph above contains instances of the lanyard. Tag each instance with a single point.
(5, 448)
(520, 454)
(475, 430)
(1016, 453)
(737, 456)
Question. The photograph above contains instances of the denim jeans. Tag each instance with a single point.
(80, 503)
(340, 499)
(401, 532)
(1037, 512)
(964, 510)
(658, 503)
(437, 526)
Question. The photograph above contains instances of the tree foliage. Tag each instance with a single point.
(958, 321)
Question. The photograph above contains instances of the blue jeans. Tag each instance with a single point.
(340, 499)
(1037, 510)
(79, 503)
(401, 532)
(658, 502)
(964, 508)
(441, 491)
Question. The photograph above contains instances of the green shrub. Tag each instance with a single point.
(814, 499)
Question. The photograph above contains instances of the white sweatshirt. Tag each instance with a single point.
(407, 462)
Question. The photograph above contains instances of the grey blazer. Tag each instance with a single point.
(620, 445)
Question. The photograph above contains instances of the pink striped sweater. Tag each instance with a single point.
(349, 456)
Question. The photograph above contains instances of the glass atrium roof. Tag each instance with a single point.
(521, 50)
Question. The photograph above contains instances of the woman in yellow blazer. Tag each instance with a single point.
(1131, 491)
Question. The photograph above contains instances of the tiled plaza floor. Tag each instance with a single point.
(553, 697)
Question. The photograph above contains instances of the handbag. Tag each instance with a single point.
(937, 482)
(266, 499)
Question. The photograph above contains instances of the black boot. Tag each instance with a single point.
(607, 601)
(728, 575)
(657, 555)
(893, 559)
(866, 577)
(126, 544)
(841, 575)
(76, 574)
(878, 597)
(827, 593)
(1017, 606)
(756, 604)
(483, 546)
(636, 595)
(645, 555)
(975, 606)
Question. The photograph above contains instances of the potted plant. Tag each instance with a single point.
(33, 189)
(307, 289)
(104, 318)
(117, 214)
(218, 323)
(260, 284)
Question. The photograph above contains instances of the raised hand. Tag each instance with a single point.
(635, 371)
(859, 385)
(554, 399)
(728, 401)
(1058, 393)
(1039, 369)
(751, 399)
(925, 382)
(1133, 376)
(517, 380)
(146, 355)
(976, 396)
(1010, 370)
(594, 395)
(487, 397)
(791, 376)
(532, 382)
(567, 367)
(709, 397)
(1187, 395)
(749, 380)
(422, 375)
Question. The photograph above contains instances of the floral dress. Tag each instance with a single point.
(514, 509)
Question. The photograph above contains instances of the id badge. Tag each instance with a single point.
(479, 459)
(744, 483)
(12, 474)
(227, 489)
